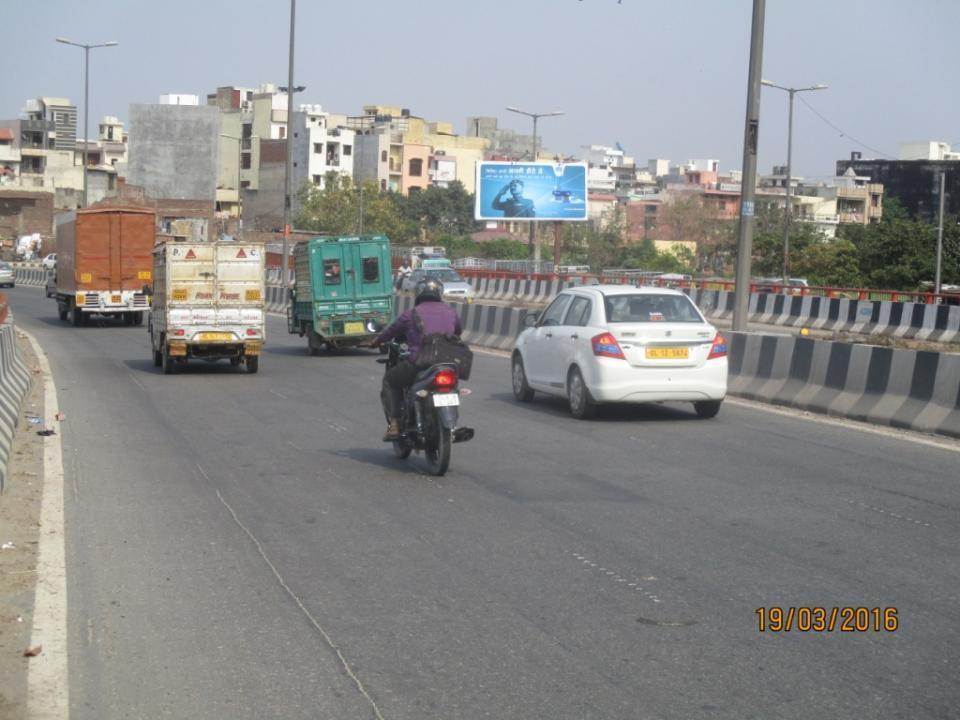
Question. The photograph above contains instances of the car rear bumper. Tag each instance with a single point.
(617, 381)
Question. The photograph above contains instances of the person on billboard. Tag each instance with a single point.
(515, 206)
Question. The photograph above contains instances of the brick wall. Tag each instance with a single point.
(24, 213)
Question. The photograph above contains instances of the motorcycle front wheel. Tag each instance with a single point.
(437, 451)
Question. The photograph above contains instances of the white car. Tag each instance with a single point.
(621, 344)
(455, 288)
(50, 261)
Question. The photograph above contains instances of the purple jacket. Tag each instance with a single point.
(437, 317)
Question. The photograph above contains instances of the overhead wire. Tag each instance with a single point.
(843, 133)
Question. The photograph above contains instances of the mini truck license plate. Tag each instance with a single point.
(668, 353)
(353, 328)
(216, 337)
(446, 400)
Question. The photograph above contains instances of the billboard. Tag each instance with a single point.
(531, 191)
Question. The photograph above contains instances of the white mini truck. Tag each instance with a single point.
(207, 304)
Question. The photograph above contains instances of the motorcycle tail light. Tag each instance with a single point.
(445, 380)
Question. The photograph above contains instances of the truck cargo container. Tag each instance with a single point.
(104, 263)
(343, 288)
(207, 303)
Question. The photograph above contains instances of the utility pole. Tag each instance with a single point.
(748, 178)
(943, 191)
(289, 164)
(87, 47)
(788, 214)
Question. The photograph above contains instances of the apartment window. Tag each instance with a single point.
(414, 190)
(245, 161)
(416, 167)
(244, 184)
(347, 150)
(383, 184)
(316, 179)
(283, 133)
(383, 156)
(317, 148)
(247, 130)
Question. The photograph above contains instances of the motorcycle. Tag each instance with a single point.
(430, 412)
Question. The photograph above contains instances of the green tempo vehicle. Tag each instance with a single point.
(342, 290)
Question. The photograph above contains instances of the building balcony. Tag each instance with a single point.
(9, 154)
(852, 217)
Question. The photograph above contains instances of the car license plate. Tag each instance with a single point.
(446, 400)
(116, 299)
(668, 353)
(216, 337)
(353, 328)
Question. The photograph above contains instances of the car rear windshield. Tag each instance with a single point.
(650, 308)
(444, 275)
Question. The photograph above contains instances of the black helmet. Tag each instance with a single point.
(429, 289)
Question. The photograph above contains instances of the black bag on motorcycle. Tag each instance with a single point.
(443, 348)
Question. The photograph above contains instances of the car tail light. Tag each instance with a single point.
(719, 348)
(179, 332)
(445, 380)
(252, 332)
(606, 345)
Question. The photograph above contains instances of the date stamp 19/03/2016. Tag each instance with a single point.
(825, 619)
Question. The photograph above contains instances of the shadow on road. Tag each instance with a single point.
(382, 457)
(619, 412)
(194, 367)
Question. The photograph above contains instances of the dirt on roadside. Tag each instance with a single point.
(19, 535)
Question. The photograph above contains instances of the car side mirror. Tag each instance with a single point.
(531, 319)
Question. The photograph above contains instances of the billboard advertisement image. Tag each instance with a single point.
(531, 191)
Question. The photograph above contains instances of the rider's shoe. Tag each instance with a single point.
(393, 431)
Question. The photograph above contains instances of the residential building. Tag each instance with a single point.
(179, 99)
(927, 150)
(24, 212)
(320, 148)
(9, 157)
(504, 144)
(173, 151)
(263, 203)
(443, 169)
(914, 183)
(658, 167)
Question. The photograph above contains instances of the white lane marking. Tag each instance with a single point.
(292, 444)
(890, 513)
(614, 575)
(344, 663)
(279, 395)
(47, 679)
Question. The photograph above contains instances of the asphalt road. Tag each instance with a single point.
(243, 546)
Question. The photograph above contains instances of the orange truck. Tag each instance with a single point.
(105, 263)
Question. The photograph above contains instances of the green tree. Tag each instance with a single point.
(503, 249)
(833, 263)
(768, 242)
(438, 211)
(336, 208)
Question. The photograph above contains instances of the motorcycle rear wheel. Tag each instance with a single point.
(437, 451)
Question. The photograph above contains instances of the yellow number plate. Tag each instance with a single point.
(216, 337)
(144, 275)
(179, 294)
(353, 328)
(116, 299)
(668, 353)
(252, 295)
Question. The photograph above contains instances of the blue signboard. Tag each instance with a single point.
(531, 191)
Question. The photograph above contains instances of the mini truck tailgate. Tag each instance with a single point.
(239, 276)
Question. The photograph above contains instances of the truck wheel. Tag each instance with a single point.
(168, 363)
(253, 363)
(157, 358)
(62, 311)
(314, 343)
(136, 318)
(77, 317)
(127, 318)
(234, 361)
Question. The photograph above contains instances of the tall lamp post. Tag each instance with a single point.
(87, 47)
(789, 206)
(534, 247)
(239, 167)
(290, 89)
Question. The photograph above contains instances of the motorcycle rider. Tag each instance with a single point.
(437, 317)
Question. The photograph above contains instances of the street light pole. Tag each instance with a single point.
(748, 179)
(533, 247)
(289, 163)
(788, 214)
(86, 98)
(943, 191)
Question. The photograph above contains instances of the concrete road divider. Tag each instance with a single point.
(30, 275)
(908, 389)
(14, 383)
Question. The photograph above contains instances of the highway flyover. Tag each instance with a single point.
(244, 546)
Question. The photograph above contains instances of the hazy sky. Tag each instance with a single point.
(665, 79)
